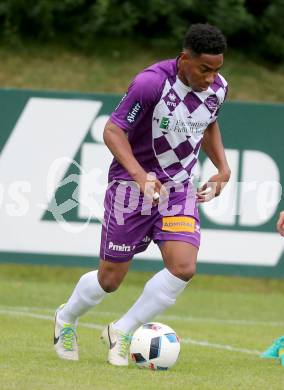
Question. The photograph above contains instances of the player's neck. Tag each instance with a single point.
(183, 80)
(181, 76)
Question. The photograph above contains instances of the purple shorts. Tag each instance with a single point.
(131, 221)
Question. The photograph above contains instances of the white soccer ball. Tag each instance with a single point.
(155, 346)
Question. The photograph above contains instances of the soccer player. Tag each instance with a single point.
(276, 350)
(169, 111)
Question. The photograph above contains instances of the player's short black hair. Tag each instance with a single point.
(204, 39)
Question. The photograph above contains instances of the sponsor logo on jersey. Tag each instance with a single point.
(165, 123)
(180, 126)
(120, 247)
(134, 112)
(193, 127)
(179, 224)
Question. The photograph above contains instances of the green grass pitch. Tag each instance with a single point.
(223, 322)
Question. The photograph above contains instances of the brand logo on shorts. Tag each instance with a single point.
(121, 247)
(179, 224)
(134, 112)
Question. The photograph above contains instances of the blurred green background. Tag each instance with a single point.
(98, 46)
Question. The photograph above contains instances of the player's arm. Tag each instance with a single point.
(141, 95)
(280, 223)
(213, 147)
(117, 142)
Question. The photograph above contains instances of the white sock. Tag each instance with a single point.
(159, 293)
(87, 293)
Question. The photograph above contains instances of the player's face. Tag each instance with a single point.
(199, 71)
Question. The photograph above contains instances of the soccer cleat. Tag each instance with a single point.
(118, 343)
(65, 338)
(281, 353)
(273, 351)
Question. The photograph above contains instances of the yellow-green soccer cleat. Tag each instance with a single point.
(118, 343)
(273, 351)
(65, 338)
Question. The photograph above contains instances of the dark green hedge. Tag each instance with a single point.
(254, 25)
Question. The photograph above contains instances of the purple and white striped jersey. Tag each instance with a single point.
(165, 120)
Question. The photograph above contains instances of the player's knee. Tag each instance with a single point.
(111, 275)
(184, 271)
(109, 284)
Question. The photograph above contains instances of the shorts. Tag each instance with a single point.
(131, 222)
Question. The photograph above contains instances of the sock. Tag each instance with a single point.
(159, 293)
(87, 293)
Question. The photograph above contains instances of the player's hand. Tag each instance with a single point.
(213, 187)
(150, 186)
(280, 224)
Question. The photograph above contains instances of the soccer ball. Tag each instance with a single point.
(155, 345)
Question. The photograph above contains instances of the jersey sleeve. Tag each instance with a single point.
(221, 95)
(142, 94)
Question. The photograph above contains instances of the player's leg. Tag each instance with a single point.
(92, 288)
(117, 340)
(89, 292)
(161, 291)
(178, 238)
(180, 258)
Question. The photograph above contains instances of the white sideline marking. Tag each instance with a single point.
(163, 317)
(219, 346)
(100, 327)
(44, 317)
(222, 321)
